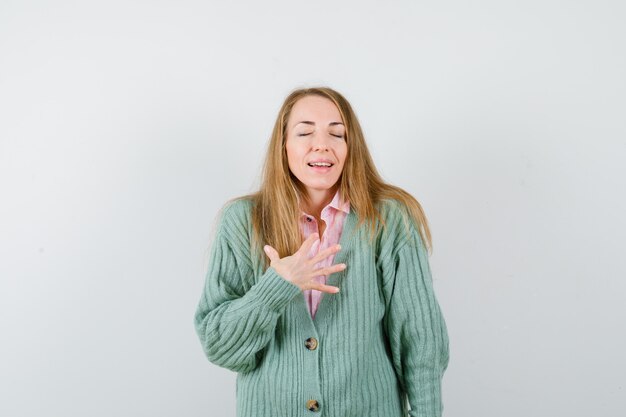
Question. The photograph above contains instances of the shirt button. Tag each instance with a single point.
(312, 405)
(311, 343)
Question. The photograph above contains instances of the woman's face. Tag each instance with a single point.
(315, 133)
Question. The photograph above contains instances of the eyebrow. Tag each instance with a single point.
(308, 122)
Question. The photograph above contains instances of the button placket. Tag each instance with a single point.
(312, 344)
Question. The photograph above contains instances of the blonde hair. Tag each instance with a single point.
(276, 211)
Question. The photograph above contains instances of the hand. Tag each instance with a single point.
(299, 270)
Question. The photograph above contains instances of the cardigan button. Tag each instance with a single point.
(311, 343)
(312, 405)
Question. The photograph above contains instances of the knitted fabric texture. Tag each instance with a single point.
(378, 348)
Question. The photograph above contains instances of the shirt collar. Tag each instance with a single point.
(336, 203)
(339, 204)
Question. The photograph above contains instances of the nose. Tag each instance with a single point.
(320, 143)
(320, 147)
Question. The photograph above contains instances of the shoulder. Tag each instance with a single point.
(399, 227)
(395, 215)
(392, 209)
(234, 216)
(236, 207)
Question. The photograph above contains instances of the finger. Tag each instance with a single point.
(325, 253)
(308, 243)
(271, 253)
(330, 269)
(326, 288)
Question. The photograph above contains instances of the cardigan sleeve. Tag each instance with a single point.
(415, 326)
(235, 324)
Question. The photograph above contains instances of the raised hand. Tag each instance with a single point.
(299, 270)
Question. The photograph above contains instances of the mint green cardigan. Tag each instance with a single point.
(378, 344)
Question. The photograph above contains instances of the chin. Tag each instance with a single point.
(317, 186)
(325, 184)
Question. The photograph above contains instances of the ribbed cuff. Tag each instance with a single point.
(274, 291)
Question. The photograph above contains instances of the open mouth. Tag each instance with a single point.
(320, 164)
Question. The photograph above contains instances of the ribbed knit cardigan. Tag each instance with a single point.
(381, 342)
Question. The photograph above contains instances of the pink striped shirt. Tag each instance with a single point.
(333, 215)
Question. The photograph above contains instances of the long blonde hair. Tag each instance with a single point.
(275, 213)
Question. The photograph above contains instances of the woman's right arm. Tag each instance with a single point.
(234, 324)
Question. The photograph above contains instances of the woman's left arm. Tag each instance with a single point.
(415, 326)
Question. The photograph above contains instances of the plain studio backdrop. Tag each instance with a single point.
(125, 125)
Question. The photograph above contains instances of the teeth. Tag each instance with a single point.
(320, 164)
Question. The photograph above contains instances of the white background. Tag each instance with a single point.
(125, 125)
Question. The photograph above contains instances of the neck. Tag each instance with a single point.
(317, 200)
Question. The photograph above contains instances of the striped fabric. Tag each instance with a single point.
(374, 349)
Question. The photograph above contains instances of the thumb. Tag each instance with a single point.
(271, 253)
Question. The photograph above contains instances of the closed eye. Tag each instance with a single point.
(306, 134)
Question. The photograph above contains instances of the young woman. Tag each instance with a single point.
(319, 291)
